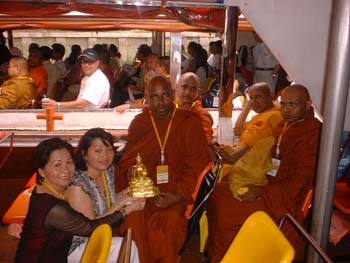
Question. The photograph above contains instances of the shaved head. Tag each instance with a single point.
(299, 91)
(189, 76)
(295, 103)
(262, 87)
(187, 90)
(160, 96)
(21, 62)
(18, 66)
(260, 96)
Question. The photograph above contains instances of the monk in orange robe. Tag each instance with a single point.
(285, 191)
(187, 93)
(267, 122)
(159, 230)
(37, 72)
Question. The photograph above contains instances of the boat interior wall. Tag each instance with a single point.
(176, 16)
(296, 32)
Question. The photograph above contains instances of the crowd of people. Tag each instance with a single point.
(271, 168)
(97, 78)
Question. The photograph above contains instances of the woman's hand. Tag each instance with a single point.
(122, 194)
(137, 204)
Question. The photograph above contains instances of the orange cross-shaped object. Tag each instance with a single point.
(50, 116)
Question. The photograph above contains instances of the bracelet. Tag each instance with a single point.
(123, 212)
(58, 105)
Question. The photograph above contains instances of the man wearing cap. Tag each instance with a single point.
(94, 87)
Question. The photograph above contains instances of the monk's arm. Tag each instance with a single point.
(240, 122)
(260, 127)
(195, 159)
(8, 96)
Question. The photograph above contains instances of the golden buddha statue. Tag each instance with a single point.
(140, 185)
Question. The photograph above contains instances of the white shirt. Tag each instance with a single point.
(263, 57)
(95, 89)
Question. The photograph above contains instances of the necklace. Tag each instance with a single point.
(56, 193)
(162, 145)
(106, 191)
(105, 187)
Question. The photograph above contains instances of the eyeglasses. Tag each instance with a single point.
(87, 61)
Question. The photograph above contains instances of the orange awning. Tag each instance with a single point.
(102, 15)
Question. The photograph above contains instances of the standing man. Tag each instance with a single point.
(171, 140)
(266, 67)
(94, 87)
(296, 153)
(18, 92)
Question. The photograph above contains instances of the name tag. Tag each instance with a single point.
(162, 174)
(276, 164)
(216, 101)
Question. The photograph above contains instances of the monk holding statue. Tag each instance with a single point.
(173, 147)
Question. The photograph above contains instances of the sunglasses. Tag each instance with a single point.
(87, 61)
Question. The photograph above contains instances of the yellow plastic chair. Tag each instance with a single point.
(98, 246)
(259, 241)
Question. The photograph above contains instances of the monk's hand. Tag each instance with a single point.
(253, 194)
(164, 200)
(226, 157)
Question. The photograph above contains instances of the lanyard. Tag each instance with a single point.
(107, 196)
(162, 145)
(285, 128)
(53, 190)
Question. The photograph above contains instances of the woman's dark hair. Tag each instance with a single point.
(85, 143)
(42, 153)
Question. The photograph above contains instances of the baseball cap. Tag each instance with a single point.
(90, 53)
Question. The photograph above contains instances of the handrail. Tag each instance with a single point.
(306, 235)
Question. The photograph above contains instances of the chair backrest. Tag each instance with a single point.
(206, 183)
(196, 190)
(98, 246)
(259, 241)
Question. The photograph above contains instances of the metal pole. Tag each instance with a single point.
(225, 135)
(335, 96)
(175, 58)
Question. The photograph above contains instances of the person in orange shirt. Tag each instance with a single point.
(37, 72)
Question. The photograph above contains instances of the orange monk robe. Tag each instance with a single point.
(262, 125)
(39, 75)
(206, 119)
(159, 233)
(283, 194)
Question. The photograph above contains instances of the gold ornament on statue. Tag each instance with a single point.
(139, 184)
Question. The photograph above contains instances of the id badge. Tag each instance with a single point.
(276, 164)
(162, 174)
(216, 101)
